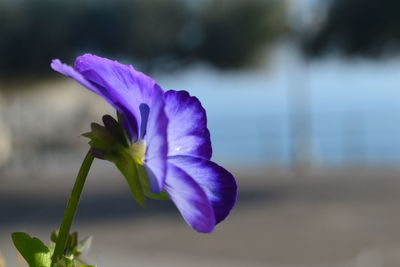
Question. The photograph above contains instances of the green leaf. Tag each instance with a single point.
(65, 262)
(33, 250)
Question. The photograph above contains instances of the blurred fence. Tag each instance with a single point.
(335, 140)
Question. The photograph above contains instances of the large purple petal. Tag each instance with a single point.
(137, 97)
(190, 200)
(156, 140)
(72, 73)
(187, 128)
(218, 184)
(123, 86)
(130, 119)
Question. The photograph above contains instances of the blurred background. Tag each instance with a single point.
(302, 98)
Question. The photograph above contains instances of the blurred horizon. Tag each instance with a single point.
(291, 109)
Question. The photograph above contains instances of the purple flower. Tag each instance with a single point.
(168, 139)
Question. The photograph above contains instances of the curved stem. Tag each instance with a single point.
(72, 206)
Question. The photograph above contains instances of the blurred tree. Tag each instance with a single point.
(234, 31)
(358, 27)
(156, 34)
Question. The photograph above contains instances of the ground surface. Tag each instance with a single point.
(328, 219)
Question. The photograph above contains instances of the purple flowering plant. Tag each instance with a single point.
(160, 143)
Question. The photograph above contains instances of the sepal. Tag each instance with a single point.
(101, 140)
(115, 129)
(110, 142)
(128, 167)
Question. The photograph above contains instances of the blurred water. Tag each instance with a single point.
(285, 112)
(348, 107)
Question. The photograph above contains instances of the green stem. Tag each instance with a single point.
(72, 206)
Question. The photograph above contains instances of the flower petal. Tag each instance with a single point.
(187, 128)
(218, 184)
(121, 85)
(156, 141)
(137, 97)
(66, 70)
(190, 200)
